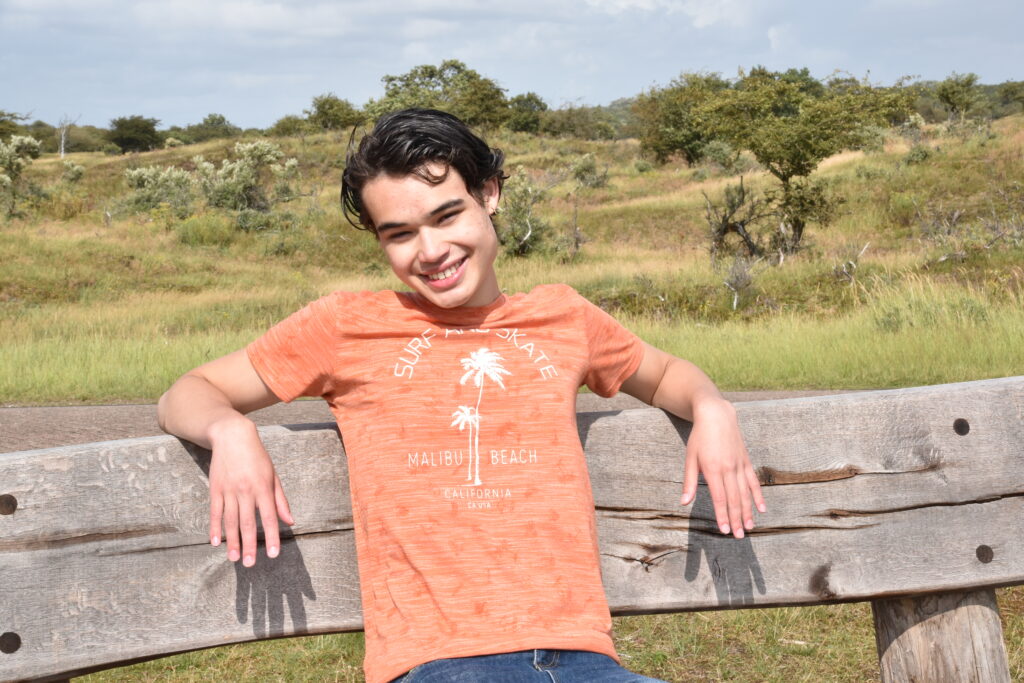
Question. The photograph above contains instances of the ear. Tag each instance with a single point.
(491, 194)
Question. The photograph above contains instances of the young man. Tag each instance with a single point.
(473, 515)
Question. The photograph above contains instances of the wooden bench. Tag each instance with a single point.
(911, 499)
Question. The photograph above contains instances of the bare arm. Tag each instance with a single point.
(715, 446)
(206, 406)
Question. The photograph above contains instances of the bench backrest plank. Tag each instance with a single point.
(873, 494)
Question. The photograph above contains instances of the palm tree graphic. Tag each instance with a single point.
(481, 364)
(461, 418)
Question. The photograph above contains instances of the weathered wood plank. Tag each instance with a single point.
(105, 557)
(948, 637)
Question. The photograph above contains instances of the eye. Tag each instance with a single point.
(447, 218)
(397, 235)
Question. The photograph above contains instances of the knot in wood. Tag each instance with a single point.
(8, 504)
(9, 642)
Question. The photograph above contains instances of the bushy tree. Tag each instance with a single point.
(1011, 91)
(574, 121)
(9, 124)
(290, 126)
(450, 86)
(790, 131)
(669, 118)
(959, 94)
(15, 156)
(330, 112)
(212, 127)
(525, 112)
(134, 133)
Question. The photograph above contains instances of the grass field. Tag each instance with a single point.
(919, 280)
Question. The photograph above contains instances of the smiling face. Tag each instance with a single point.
(438, 238)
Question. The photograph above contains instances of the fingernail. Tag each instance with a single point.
(686, 499)
(739, 533)
(761, 507)
(215, 540)
(272, 551)
(233, 555)
(748, 524)
(725, 528)
(248, 561)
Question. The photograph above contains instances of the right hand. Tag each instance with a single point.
(243, 480)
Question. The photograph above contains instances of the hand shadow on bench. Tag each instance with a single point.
(734, 568)
(263, 591)
(735, 571)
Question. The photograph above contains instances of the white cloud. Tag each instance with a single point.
(702, 13)
(781, 37)
(426, 29)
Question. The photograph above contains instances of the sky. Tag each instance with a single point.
(255, 61)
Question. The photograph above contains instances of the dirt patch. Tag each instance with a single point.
(23, 429)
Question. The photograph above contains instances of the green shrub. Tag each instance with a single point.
(520, 231)
(585, 172)
(152, 186)
(241, 183)
(72, 172)
(918, 154)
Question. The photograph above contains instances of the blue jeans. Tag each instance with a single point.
(528, 666)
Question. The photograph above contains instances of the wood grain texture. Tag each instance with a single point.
(106, 559)
(946, 637)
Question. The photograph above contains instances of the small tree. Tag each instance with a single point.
(9, 124)
(213, 127)
(15, 156)
(134, 133)
(790, 131)
(524, 112)
(63, 127)
(669, 119)
(290, 126)
(330, 112)
(450, 86)
(738, 213)
(959, 94)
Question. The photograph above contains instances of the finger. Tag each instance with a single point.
(718, 501)
(755, 488)
(732, 495)
(690, 472)
(284, 511)
(268, 510)
(216, 517)
(746, 511)
(231, 528)
(247, 527)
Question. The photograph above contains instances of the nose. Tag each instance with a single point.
(433, 247)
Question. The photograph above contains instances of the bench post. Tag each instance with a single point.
(953, 637)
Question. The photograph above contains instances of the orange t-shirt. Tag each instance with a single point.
(474, 519)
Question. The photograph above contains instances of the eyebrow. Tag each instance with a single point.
(451, 204)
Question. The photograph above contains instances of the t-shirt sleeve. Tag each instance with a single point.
(615, 352)
(296, 357)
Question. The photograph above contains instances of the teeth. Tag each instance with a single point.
(444, 273)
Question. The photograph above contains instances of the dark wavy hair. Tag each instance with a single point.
(405, 142)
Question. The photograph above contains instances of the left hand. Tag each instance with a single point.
(716, 449)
